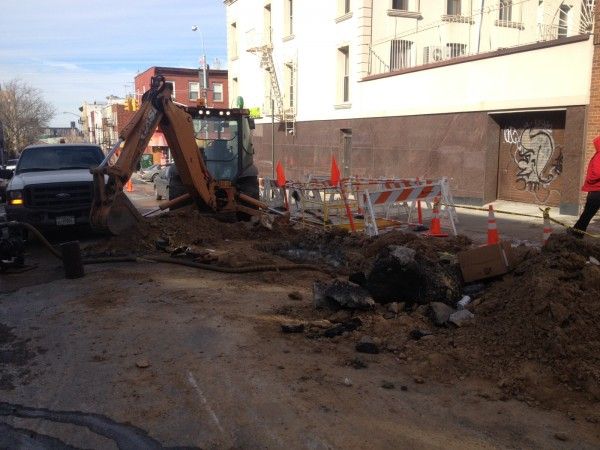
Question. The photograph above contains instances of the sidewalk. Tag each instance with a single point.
(516, 228)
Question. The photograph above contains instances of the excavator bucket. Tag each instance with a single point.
(122, 215)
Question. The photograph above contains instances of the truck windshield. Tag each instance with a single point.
(218, 139)
(59, 158)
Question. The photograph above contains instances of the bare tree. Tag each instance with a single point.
(23, 114)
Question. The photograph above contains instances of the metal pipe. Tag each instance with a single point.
(111, 153)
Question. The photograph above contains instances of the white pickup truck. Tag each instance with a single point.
(52, 185)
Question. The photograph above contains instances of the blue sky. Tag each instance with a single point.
(76, 50)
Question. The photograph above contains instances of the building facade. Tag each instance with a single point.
(187, 85)
(494, 94)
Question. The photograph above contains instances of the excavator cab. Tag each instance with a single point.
(224, 138)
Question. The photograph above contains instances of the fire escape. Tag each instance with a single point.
(281, 113)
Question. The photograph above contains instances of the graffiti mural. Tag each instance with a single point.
(539, 160)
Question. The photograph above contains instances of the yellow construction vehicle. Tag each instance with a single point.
(211, 148)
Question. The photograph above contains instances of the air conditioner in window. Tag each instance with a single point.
(433, 53)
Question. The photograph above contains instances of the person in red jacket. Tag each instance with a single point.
(592, 187)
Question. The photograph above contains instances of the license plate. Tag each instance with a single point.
(65, 220)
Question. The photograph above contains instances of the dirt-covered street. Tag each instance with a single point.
(144, 354)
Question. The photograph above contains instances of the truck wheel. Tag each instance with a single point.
(248, 186)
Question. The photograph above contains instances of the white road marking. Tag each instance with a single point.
(194, 384)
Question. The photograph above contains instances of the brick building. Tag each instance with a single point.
(187, 88)
(187, 84)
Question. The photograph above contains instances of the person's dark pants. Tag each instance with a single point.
(592, 205)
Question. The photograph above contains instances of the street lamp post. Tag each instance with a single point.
(204, 66)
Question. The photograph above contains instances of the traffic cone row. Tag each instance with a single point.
(436, 226)
(492, 231)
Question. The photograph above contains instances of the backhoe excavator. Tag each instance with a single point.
(212, 151)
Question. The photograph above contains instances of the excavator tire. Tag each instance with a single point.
(248, 186)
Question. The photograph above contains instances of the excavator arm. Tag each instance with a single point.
(112, 209)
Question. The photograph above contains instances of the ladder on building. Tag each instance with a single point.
(265, 52)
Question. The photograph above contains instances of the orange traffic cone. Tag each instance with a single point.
(547, 227)
(436, 226)
(492, 230)
(129, 186)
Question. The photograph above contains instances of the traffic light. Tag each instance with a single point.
(128, 104)
(134, 104)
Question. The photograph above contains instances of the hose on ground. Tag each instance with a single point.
(185, 262)
(166, 259)
(245, 269)
(36, 233)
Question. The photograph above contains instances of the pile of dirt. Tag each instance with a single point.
(538, 328)
(184, 227)
(535, 333)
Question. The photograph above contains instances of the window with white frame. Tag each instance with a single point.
(563, 20)
(193, 90)
(343, 7)
(288, 18)
(400, 54)
(401, 5)
(217, 92)
(505, 11)
(453, 7)
(343, 74)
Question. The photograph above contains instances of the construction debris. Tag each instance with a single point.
(341, 294)
(532, 332)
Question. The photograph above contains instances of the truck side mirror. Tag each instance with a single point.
(251, 123)
(6, 174)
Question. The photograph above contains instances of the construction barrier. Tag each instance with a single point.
(379, 204)
(395, 202)
(270, 193)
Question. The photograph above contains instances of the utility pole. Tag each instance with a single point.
(204, 81)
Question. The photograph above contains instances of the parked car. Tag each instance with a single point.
(150, 173)
(168, 185)
(52, 185)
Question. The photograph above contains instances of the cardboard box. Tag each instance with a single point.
(486, 262)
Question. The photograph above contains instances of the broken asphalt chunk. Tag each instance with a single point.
(367, 345)
(341, 294)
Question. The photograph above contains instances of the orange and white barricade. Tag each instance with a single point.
(379, 203)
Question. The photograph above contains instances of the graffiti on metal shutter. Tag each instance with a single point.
(539, 160)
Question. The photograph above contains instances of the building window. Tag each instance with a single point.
(193, 90)
(217, 92)
(400, 4)
(233, 50)
(344, 74)
(505, 11)
(343, 7)
(289, 17)
(563, 21)
(454, 50)
(400, 54)
(453, 7)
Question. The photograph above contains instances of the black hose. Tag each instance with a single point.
(185, 262)
(167, 259)
(245, 269)
(36, 233)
